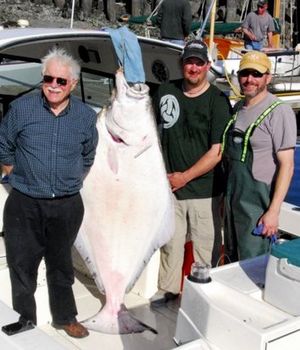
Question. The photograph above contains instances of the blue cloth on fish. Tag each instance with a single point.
(129, 54)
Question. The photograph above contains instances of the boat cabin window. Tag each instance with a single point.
(18, 78)
(94, 89)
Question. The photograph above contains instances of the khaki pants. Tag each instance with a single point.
(201, 219)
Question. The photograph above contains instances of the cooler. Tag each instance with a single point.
(282, 285)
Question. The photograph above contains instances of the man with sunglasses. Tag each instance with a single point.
(257, 26)
(258, 147)
(47, 146)
(192, 115)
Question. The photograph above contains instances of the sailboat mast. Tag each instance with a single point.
(276, 14)
(212, 26)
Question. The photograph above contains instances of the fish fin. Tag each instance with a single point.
(129, 324)
(105, 322)
(146, 145)
(101, 115)
(112, 160)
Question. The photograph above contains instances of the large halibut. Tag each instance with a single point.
(128, 203)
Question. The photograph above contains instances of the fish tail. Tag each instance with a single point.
(129, 324)
(123, 323)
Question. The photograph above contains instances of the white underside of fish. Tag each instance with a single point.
(128, 203)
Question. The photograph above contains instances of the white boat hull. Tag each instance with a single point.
(230, 314)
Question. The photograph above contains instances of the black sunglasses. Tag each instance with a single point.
(246, 72)
(60, 81)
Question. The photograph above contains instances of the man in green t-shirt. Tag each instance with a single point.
(192, 115)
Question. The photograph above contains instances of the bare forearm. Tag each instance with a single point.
(281, 188)
(206, 163)
(286, 168)
(202, 166)
(249, 34)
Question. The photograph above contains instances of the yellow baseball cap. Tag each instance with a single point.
(255, 60)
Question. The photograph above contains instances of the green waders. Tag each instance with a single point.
(246, 199)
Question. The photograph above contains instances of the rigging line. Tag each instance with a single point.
(201, 30)
(202, 7)
(154, 12)
(244, 10)
(72, 13)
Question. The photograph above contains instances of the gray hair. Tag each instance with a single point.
(63, 58)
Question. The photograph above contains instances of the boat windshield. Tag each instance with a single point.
(18, 78)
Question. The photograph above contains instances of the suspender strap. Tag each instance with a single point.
(252, 126)
(250, 129)
(231, 121)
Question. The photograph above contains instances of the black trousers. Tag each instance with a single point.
(37, 228)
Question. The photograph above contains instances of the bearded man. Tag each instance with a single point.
(258, 146)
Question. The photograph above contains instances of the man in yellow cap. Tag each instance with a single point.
(258, 148)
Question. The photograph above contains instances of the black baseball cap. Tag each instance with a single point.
(195, 48)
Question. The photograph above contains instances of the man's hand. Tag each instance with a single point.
(6, 169)
(270, 222)
(177, 180)
(249, 34)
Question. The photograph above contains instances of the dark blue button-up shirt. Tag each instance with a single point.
(50, 154)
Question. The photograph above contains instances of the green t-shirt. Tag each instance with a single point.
(189, 127)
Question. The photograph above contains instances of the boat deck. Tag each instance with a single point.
(163, 319)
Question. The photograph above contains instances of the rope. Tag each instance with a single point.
(233, 87)
(154, 12)
(223, 257)
(201, 30)
(244, 10)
